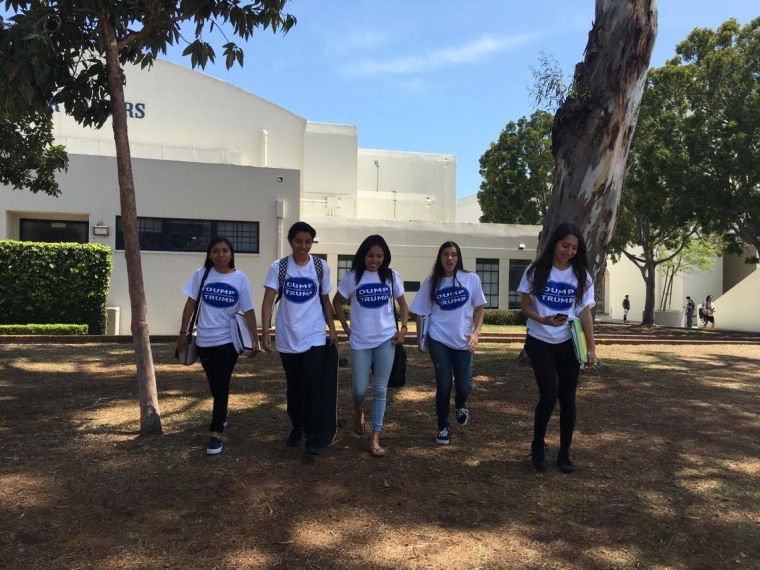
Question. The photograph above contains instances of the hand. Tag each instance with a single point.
(399, 337)
(181, 342)
(472, 340)
(591, 357)
(334, 337)
(266, 341)
(347, 330)
(555, 320)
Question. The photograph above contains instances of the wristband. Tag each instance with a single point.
(405, 327)
(182, 332)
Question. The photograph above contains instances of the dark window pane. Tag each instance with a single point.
(488, 271)
(516, 269)
(411, 286)
(53, 231)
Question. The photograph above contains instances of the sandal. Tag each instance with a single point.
(359, 427)
(377, 452)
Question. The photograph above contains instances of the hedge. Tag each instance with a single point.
(54, 283)
(43, 329)
(504, 317)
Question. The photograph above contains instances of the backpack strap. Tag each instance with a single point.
(282, 273)
(320, 273)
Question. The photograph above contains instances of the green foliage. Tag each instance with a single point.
(42, 329)
(30, 159)
(503, 317)
(518, 172)
(54, 52)
(724, 126)
(53, 283)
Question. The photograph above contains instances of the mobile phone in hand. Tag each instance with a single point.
(560, 316)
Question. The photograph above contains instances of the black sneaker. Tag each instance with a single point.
(214, 446)
(443, 437)
(463, 416)
(294, 439)
(564, 462)
(538, 455)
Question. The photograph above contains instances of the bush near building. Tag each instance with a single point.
(35, 329)
(54, 283)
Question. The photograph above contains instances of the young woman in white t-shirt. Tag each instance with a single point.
(453, 301)
(373, 289)
(225, 291)
(557, 285)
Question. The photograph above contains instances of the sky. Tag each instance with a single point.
(436, 76)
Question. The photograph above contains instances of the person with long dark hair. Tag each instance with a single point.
(373, 289)
(555, 287)
(453, 301)
(226, 290)
(301, 282)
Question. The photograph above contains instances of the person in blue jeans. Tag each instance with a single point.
(453, 301)
(373, 289)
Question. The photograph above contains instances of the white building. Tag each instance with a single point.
(211, 159)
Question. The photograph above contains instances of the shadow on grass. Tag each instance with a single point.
(667, 448)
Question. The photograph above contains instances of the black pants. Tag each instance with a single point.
(218, 362)
(304, 373)
(556, 369)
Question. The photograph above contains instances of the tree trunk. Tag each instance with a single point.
(593, 128)
(649, 274)
(150, 419)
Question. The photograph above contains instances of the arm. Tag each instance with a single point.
(400, 335)
(250, 318)
(587, 320)
(330, 316)
(338, 302)
(266, 318)
(187, 314)
(477, 323)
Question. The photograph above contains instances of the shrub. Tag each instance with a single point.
(43, 329)
(54, 283)
(504, 317)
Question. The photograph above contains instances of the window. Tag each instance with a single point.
(516, 270)
(322, 256)
(344, 265)
(411, 286)
(488, 271)
(174, 234)
(53, 231)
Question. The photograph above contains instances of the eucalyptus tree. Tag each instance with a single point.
(73, 52)
(595, 124)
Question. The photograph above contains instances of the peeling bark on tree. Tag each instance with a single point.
(150, 418)
(594, 127)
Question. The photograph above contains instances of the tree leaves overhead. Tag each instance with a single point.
(517, 172)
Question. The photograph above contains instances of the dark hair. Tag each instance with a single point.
(215, 241)
(357, 265)
(301, 227)
(438, 271)
(541, 268)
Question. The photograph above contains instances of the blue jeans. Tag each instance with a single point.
(361, 360)
(445, 360)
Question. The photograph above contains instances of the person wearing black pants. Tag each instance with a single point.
(304, 386)
(555, 287)
(215, 293)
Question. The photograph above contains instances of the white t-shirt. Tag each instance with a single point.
(223, 294)
(300, 322)
(558, 297)
(451, 314)
(372, 317)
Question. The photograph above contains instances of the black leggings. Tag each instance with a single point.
(556, 369)
(218, 362)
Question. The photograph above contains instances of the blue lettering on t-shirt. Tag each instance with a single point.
(451, 298)
(373, 296)
(220, 295)
(299, 289)
(557, 296)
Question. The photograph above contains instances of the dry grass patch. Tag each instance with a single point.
(667, 448)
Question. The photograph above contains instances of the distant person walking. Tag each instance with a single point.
(690, 308)
(707, 313)
(626, 308)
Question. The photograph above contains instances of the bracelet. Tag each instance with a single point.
(405, 327)
(182, 332)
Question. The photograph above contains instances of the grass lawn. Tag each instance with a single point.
(667, 451)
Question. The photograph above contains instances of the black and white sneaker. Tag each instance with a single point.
(463, 416)
(214, 446)
(443, 437)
